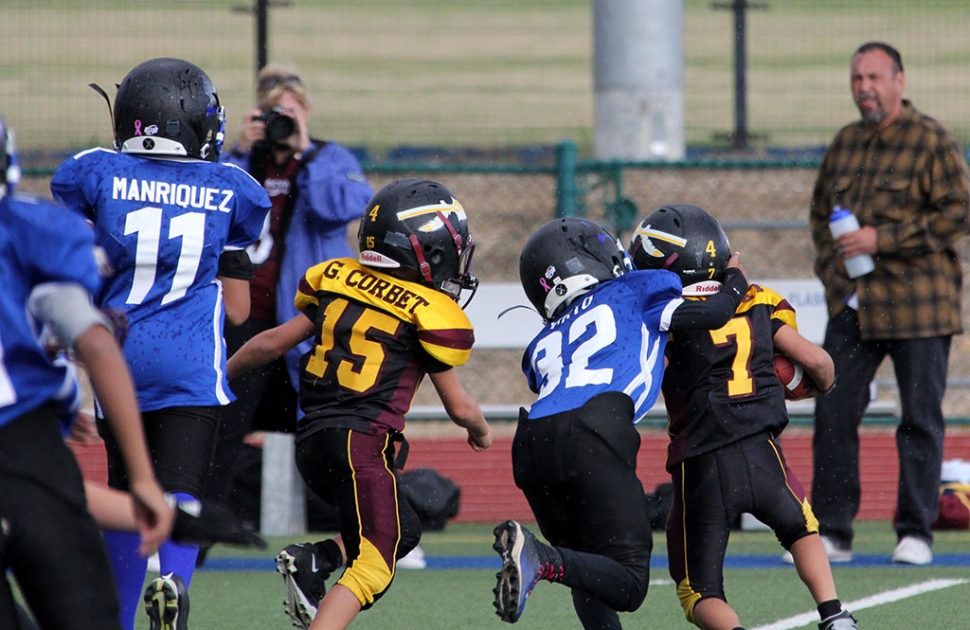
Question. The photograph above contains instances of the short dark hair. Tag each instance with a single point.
(886, 48)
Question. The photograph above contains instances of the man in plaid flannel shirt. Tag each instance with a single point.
(906, 179)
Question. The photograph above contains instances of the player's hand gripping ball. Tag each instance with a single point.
(798, 385)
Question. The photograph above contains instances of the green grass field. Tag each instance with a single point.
(767, 598)
(470, 73)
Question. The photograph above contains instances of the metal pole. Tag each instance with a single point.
(740, 79)
(638, 79)
(566, 158)
(740, 137)
(262, 18)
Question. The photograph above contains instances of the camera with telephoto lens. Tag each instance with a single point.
(279, 126)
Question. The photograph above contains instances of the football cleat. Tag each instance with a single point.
(523, 565)
(841, 621)
(305, 579)
(167, 603)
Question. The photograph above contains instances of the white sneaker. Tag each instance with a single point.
(833, 551)
(912, 550)
(414, 560)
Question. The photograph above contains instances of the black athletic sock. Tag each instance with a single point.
(829, 608)
(328, 551)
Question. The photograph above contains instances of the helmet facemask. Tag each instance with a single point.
(463, 279)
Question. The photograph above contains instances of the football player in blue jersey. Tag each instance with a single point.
(174, 224)
(596, 366)
(726, 407)
(379, 324)
(48, 539)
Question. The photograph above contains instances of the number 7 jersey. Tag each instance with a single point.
(163, 225)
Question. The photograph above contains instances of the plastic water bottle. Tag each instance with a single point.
(842, 221)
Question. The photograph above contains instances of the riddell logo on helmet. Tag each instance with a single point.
(704, 287)
(377, 259)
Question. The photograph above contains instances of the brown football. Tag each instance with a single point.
(798, 385)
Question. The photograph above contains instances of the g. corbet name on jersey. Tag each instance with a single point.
(384, 290)
(182, 195)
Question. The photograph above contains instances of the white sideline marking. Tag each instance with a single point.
(894, 595)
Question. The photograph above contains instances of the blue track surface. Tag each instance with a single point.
(658, 562)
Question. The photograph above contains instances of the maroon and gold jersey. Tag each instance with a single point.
(376, 338)
(720, 385)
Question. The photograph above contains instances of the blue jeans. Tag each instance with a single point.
(921, 369)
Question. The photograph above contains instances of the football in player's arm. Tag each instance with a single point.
(596, 368)
(726, 407)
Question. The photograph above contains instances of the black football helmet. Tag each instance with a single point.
(684, 239)
(169, 107)
(417, 227)
(566, 258)
(9, 169)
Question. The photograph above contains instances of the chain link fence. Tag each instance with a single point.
(480, 73)
(390, 78)
(764, 209)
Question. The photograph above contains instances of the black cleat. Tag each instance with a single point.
(167, 603)
(305, 580)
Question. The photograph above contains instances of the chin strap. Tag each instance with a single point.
(422, 263)
(111, 115)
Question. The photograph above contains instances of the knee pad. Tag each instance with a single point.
(368, 576)
(789, 533)
(689, 597)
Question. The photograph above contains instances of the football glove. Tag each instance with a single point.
(209, 524)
